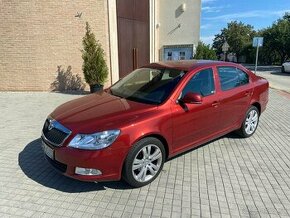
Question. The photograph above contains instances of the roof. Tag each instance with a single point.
(187, 65)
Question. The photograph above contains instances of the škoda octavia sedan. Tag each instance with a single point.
(152, 114)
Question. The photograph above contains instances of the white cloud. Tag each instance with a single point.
(209, 9)
(207, 1)
(207, 39)
(248, 14)
(205, 26)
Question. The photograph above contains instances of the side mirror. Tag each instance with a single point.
(192, 98)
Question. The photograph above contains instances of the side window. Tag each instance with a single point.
(231, 77)
(202, 83)
(244, 77)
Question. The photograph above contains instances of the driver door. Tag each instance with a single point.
(195, 123)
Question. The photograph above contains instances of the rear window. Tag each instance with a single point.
(232, 77)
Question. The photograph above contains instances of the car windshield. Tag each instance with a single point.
(148, 85)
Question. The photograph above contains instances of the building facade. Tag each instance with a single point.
(37, 37)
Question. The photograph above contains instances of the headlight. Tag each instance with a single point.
(94, 141)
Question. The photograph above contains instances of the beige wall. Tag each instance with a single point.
(37, 36)
(170, 17)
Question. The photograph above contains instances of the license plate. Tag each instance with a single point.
(48, 151)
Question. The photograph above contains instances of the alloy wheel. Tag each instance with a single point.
(147, 163)
(251, 122)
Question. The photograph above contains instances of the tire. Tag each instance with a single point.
(250, 122)
(144, 162)
(283, 69)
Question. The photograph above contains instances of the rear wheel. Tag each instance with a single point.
(250, 123)
(144, 162)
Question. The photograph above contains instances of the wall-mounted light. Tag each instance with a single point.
(180, 10)
(183, 7)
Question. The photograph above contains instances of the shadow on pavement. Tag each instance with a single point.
(32, 162)
(280, 73)
(231, 135)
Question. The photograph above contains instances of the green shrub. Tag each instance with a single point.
(94, 66)
(204, 52)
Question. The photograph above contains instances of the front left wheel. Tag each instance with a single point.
(144, 162)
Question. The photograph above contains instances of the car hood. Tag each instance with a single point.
(99, 112)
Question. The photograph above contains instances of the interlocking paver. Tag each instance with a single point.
(229, 177)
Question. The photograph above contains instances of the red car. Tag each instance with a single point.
(152, 114)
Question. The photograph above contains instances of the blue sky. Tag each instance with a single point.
(215, 14)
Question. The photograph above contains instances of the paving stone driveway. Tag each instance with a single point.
(229, 177)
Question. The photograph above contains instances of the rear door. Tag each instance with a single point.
(234, 97)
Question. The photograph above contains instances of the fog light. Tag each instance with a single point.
(87, 171)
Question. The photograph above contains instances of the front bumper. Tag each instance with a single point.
(109, 161)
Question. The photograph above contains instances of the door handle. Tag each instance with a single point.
(215, 103)
(247, 93)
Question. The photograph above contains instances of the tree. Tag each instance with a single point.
(204, 51)
(268, 54)
(279, 37)
(237, 34)
(219, 40)
(94, 66)
(286, 16)
(276, 48)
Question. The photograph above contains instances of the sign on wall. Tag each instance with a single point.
(177, 52)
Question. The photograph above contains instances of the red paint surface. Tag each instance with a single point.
(181, 129)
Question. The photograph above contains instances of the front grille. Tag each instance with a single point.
(54, 133)
(57, 165)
